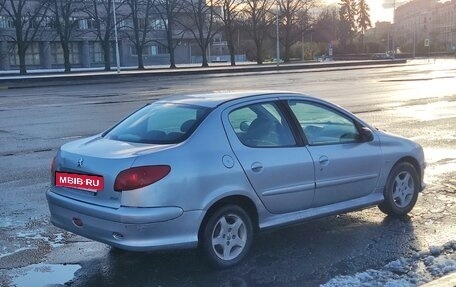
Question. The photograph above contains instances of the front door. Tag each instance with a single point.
(346, 166)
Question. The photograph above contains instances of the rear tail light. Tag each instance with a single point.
(53, 164)
(137, 177)
(53, 167)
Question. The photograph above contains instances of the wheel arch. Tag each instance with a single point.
(389, 205)
(411, 160)
(240, 200)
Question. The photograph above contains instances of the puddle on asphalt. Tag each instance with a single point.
(439, 155)
(6, 222)
(440, 161)
(38, 275)
(429, 112)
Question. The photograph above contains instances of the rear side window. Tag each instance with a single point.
(159, 123)
(261, 125)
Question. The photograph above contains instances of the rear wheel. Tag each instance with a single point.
(401, 190)
(227, 236)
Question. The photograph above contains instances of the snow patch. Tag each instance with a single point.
(16, 251)
(58, 239)
(421, 268)
(6, 222)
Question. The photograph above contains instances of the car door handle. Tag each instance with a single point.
(324, 160)
(256, 167)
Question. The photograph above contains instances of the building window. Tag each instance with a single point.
(133, 51)
(32, 55)
(162, 49)
(96, 52)
(141, 24)
(6, 22)
(83, 24)
(86, 24)
(57, 53)
(48, 22)
(125, 24)
(159, 24)
(151, 50)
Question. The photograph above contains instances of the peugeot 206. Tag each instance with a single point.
(210, 170)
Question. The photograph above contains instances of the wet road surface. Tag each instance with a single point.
(417, 100)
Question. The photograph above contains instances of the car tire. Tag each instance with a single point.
(401, 190)
(227, 236)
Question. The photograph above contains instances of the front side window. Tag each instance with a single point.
(261, 125)
(159, 123)
(322, 125)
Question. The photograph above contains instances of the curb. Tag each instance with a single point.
(61, 79)
(445, 281)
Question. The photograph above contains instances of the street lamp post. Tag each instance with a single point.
(277, 36)
(115, 35)
(394, 28)
(302, 43)
(414, 39)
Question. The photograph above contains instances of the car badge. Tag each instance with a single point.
(80, 162)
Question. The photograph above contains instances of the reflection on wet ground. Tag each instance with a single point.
(44, 274)
(440, 161)
(308, 253)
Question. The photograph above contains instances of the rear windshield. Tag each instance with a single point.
(159, 123)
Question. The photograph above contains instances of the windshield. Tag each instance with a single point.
(159, 123)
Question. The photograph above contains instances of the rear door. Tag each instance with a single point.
(280, 171)
(346, 166)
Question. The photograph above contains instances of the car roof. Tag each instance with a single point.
(215, 99)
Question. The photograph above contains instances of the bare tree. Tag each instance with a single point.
(258, 19)
(102, 14)
(63, 12)
(202, 24)
(168, 11)
(294, 20)
(28, 18)
(325, 25)
(230, 11)
(141, 15)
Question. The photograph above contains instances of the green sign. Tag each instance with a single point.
(426, 42)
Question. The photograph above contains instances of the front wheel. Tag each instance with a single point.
(227, 236)
(401, 190)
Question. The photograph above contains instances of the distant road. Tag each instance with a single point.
(40, 79)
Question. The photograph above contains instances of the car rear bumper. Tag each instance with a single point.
(135, 229)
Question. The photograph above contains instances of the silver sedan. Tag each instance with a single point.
(212, 169)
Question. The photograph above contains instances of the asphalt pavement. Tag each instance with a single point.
(416, 100)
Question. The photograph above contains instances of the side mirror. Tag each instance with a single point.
(366, 135)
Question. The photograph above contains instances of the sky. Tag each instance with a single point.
(381, 10)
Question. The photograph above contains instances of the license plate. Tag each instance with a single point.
(92, 183)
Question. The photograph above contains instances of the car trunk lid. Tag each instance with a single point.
(101, 157)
